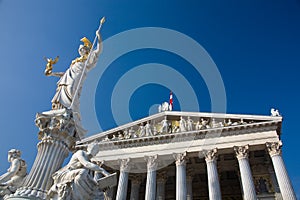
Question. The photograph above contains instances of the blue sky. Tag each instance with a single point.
(254, 44)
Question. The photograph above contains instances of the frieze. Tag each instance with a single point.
(187, 136)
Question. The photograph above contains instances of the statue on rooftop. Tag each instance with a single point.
(274, 112)
(13, 178)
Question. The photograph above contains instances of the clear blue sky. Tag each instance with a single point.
(254, 44)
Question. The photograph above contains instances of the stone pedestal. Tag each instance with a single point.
(58, 135)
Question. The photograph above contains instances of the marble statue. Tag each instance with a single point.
(70, 83)
(142, 130)
(120, 136)
(13, 178)
(189, 124)
(148, 129)
(204, 123)
(164, 125)
(132, 133)
(77, 180)
(126, 134)
(182, 124)
(164, 107)
(274, 112)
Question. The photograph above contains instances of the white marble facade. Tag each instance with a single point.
(197, 160)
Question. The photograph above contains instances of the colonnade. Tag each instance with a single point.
(155, 183)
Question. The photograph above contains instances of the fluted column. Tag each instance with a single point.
(284, 182)
(123, 179)
(212, 173)
(245, 170)
(161, 181)
(135, 187)
(189, 184)
(58, 135)
(152, 163)
(180, 161)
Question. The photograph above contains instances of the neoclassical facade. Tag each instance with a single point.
(194, 155)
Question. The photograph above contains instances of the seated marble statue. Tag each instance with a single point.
(13, 178)
(78, 179)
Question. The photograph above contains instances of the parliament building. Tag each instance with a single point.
(194, 155)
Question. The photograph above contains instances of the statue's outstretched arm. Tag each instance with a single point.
(57, 74)
(89, 165)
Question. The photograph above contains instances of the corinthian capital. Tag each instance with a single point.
(152, 162)
(210, 155)
(180, 158)
(125, 165)
(241, 151)
(274, 148)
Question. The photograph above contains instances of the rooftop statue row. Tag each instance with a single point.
(171, 126)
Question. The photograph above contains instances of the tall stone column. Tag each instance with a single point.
(212, 173)
(135, 187)
(284, 182)
(180, 161)
(123, 179)
(58, 135)
(152, 163)
(189, 184)
(245, 170)
(161, 181)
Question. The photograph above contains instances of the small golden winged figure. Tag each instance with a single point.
(49, 66)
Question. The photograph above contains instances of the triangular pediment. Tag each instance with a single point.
(180, 123)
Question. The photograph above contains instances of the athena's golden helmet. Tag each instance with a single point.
(86, 42)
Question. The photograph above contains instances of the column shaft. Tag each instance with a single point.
(123, 179)
(245, 170)
(213, 181)
(212, 174)
(150, 185)
(283, 180)
(150, 193)
(122, 186)
(247, 180)
(180, 176)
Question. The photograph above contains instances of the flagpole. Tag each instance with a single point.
(84, 68)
